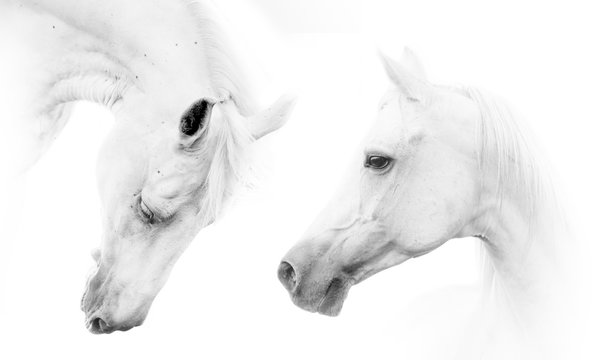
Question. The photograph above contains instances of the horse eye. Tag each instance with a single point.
(145, 211)
(377, 162)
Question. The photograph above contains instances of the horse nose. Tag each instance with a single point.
(287, 276)
(99, 326)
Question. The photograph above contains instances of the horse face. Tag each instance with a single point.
(158, 189)
(413, 188)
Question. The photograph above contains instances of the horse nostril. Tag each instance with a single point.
(99, 326)
(286, 275)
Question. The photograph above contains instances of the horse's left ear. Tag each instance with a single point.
(413, 63)
(273, 118)
(195, 120)
(406, 76)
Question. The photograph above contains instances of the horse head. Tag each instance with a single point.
(414, 186)
(162, 178)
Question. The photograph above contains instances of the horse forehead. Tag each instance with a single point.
(392, 121)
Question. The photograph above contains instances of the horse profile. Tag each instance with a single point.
(184, 119)
(439, 163)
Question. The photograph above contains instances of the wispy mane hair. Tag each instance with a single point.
(228, 138)
(506, 152)
(227, 144)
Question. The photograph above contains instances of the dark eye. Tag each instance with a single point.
(377, 162)
(145, 211)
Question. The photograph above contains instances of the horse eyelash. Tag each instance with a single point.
(149, 216)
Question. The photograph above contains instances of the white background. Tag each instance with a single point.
(223, 300)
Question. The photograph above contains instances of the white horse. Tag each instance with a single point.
(439, 163)
(184, 119)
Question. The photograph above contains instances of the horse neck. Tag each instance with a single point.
(134, 70)
(518, 216)
(104, 71)
(177, 41)
(520, 239)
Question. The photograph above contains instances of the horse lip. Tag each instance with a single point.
(332, 302)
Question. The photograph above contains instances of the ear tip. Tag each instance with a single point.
(289, 96)
(390, 65)
(409, 55)
(288, 99)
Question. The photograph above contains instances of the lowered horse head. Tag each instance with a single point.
(185, 117)
(161, 181)
(437, 164)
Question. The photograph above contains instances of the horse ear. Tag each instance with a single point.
(413, 87)
(412, 63)
(194, 120)
(273, 118)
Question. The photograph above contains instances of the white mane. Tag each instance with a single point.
(502, 139)
(230, 138)
(504, 144)
(228, 142)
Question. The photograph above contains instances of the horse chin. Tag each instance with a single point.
(334, 298)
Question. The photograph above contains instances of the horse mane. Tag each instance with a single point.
(229, 137)
(225, 71)
(502, 139)
(507, 152)
(228, 143)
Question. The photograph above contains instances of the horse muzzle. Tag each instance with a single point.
(322, 295)
(109, 308)
(103, 318)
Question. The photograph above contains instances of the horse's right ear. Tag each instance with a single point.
(195, 120)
